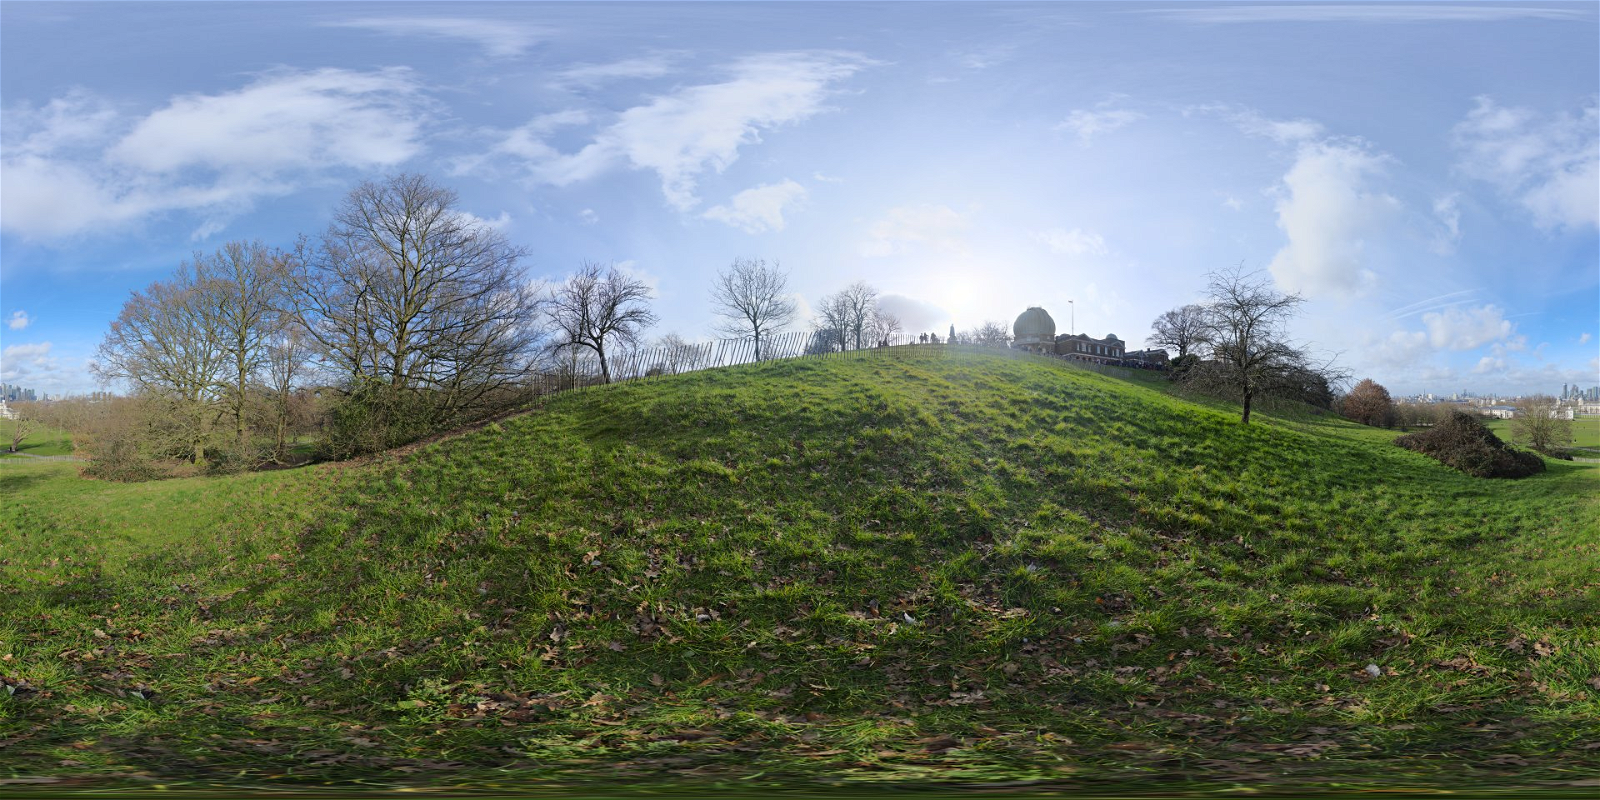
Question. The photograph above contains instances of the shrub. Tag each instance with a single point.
(119, 460)
(375, 417)
(1461, 441)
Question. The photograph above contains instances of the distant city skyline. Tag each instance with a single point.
(1427, 175)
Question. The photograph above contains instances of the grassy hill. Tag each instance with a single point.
(924, 566)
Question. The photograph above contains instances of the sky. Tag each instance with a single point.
(1426, 175)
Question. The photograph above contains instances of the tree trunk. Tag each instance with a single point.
(605, 371)
(1245, 419)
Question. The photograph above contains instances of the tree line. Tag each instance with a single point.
(406, 316)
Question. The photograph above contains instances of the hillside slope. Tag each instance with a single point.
(924, 565)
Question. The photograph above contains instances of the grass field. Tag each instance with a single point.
(1585, 431)
(39, 442)
(917, 570)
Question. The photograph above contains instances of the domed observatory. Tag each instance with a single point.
(1035, 331)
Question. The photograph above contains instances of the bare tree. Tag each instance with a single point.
(847, 315)
(990, 334)
(244, 290)
(752, 299)
(600, 308)
(406, 293)
(285, 358)
(1539, 426)
(167, 344)
(672, 354)
(884, 327)
(1245, 326)
(21, 425)
(1182, 329)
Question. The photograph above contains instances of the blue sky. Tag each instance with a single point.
(1427, 175)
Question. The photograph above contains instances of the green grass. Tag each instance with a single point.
(918, 569)
(40, 441)
(1585, 431)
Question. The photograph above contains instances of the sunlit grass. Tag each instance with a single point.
(917, 567)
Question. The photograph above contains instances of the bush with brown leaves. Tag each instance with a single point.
(1461, 441)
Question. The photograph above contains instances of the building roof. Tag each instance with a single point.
(1034, 325)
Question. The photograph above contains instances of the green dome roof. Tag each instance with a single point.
(1034, 325)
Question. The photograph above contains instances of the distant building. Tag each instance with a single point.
(1086, 347)
(1035, 331)
(1500, 412)
(1155, 356)
(6, 411)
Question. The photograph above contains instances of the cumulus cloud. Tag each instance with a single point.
(1329, 215)
(78, 165)
(1074, 242)
(936, 227)
(19, 319)
(1466, 328)
(1550, 163)
(499, 223)
(27, 361)
(1489, 364)
(498, 38)
(681, 135)
(915, 315)
(759, 208)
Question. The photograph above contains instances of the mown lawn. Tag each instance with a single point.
(41, 441)
(925, 568)
(1585, 431)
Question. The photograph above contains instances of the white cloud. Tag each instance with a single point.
(1253, 123)
(285, 121)
(1489, 364)
(1548, 163)
(1448, 211)
(497, 224)
(915, 315)
(588, 216)
(27, 361)
(821, 178)
(77, 165)
(759, 208)
(1074, 242)
(1467, 328)
(1402, 349)
(19, 320)
(497, 37)
(1232, 202)
(936, 227)
(1329, 216)
(1584, 338)
(1368, 12)
(654, 66)
(681, 135)
(1089, 123)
